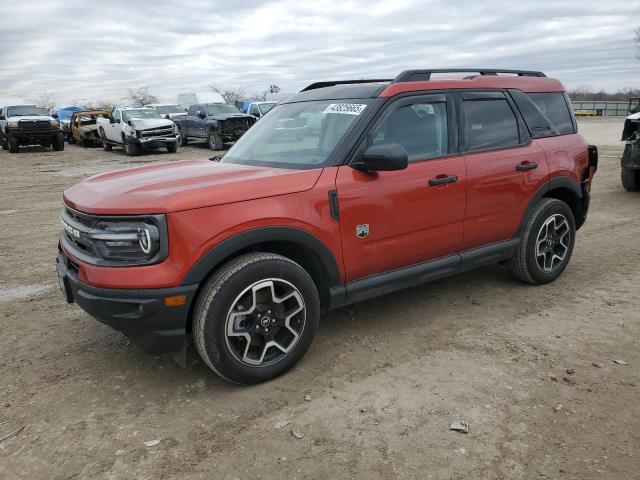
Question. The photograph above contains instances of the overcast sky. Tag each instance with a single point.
(84, 50)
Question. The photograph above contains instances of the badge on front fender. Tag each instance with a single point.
(362, 230)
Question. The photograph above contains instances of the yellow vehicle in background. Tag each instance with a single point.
(84, 129)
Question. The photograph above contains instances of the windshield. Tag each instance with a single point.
(216, 108)
(265, 107)
(296, 135)
(164, 109)
(142, 113)
(26, 111)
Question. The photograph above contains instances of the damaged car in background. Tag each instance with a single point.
(630, 173)
(137, 129)
(167, 110)
(22, 125)
(217, 123)
(83, 128)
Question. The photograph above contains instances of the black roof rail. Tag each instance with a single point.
(422, 75)
(333, 83)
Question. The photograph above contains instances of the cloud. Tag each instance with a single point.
(85, 50)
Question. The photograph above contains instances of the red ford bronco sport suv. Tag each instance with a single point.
(343, 192)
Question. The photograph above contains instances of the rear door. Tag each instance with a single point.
(504, 167)
(390, 220)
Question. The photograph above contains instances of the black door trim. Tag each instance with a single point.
(401, 278)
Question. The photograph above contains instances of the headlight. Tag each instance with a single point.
(54, 124)
(125, 240)
(12, 124)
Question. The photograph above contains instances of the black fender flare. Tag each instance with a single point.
(556, 182)
(236, 243)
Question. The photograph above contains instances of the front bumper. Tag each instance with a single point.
(26, 137)
(155, 142)
(140, 314)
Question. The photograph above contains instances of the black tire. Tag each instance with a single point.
(71, 140)
(182, 139)
(630, 179)
(215, 141)
(131, 149)
(218, 300)
(526, 264)
(57, 142)
(5, 144)
(172, 147)
(106, 146)
(14, 146)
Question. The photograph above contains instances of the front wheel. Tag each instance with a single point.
(131, 149)
(14, 145)
(630, 179)
(215, 141)
(546, 244)
(172, 147)
(182, 138)
(256, 317)
(57, 142)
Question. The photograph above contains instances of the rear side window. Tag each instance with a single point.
(554, 106)
(489, 124)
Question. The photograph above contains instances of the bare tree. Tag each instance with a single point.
(274, 89)
(231, 95)
(141, 95)
(45, 100)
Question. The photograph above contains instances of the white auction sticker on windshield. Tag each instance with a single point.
(346, 108)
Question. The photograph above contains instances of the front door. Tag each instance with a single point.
(390, 220)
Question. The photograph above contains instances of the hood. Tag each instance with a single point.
(225, 116)
(145, 123)
(183, 185)
(177, 115)
(30, 117)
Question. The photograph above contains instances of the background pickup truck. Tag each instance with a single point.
(28, 125)
(136, 129)
(218, 123)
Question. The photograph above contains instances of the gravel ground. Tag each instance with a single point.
(531, 369)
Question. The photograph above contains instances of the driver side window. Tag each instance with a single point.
(420, 128)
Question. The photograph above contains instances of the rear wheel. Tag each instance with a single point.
(14, 146)
(630, 179)
(546, 244)
(215, 141)
(256, 317)
(106, 146)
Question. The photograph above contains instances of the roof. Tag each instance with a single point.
(421, 80)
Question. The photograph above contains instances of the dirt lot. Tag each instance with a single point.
(531, 369)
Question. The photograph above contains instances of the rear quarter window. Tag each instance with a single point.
(555, 108)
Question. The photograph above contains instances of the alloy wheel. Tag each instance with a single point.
(552, 243)
(265, 322)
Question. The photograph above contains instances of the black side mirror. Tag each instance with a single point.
(54, 115)
(382, 158)
(1, 117)
(200, 114)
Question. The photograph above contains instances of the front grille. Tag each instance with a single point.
(157, 132)
(76, 226)
(234, 127)
(35, 126)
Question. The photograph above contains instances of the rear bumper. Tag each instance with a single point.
(140, 314)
